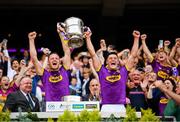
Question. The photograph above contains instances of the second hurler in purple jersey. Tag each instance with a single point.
(113, 85)
(56, 84)
(163, 72)
(112, 77)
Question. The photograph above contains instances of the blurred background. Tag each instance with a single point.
(112, 20)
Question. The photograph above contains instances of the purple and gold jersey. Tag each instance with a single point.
(56, 84)
(13, 87)
(162, 72)
(113, 85)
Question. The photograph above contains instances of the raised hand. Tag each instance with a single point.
(143, 37)
(136, 34)
(144, 84)
(167, 43)
(32, 35)
(60, 28)
(103, 44)
(46, 51)
(88, 33)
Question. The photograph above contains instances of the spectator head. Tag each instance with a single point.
(73, 81)
(26, 53)
(170, 84)
(26, 84)
(5, 83)
(151, 77)
(54, 61)
(112, 61)
(162, 55)
(148, 69)
(15, 64)
(84, 58)
(86, 71)
(136, 76)
(94, 87)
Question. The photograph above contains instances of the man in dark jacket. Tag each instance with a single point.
(22, 99)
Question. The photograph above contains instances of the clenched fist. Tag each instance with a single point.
(167, 42)
(143, 37)
(32, 35)
(136, 34)
(88, 33)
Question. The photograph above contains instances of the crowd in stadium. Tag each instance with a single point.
(136, 76)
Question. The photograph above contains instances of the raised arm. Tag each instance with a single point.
(134, 50)
(145, 48)
(100, 51)
(33, 53)
(66, 49)
(90, 47)
(46, 52)
(173, 52)
(163, 88)
(123, 56)
(22, 73)
(93, 70)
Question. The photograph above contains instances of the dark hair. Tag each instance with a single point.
(73, 77)
(86, 66)
(172, 82)
(53, 53)
(107, 54)
(111, 53)
(112, 46)
(140, 69)
(15, 59)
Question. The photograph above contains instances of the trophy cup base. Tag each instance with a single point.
(75, 41)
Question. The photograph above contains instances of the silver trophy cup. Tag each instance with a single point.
(74, 30)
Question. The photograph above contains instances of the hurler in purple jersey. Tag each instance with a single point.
(159, 64)
(56, 79)
(112, 77)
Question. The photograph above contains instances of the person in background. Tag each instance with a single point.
(74, 89)
(13, 65)
(26, 56)
(137, 93)
(22, 98)
(94, 94)
(85, 80)
(173, 105)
